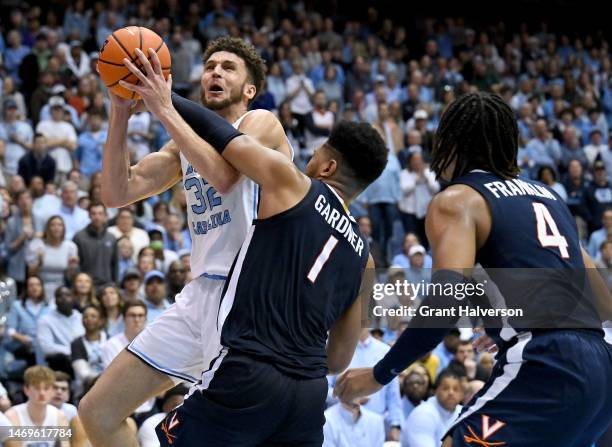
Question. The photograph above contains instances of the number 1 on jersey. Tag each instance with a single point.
(322, 258)
(545, 221)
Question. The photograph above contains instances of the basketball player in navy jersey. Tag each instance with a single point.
(291, 308)
(550, 387)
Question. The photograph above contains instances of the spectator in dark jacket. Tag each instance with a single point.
(599, 197)
(37, 162)
(577, 190)
(97, 246)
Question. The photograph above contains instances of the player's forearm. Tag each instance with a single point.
(207, 161)
(116, 161)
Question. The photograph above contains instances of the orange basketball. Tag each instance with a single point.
(122, 44)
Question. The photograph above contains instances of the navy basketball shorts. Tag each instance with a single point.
(549, 389)
(248, 403)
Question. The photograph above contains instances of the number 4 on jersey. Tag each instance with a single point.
(544, 222)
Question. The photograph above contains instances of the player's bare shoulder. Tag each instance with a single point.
(459, 205)
(265, 127)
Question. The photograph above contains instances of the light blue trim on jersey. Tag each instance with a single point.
(160, 368)
(211, 276)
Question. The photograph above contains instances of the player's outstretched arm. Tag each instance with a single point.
(122, 184)
(344, 334)
(451, 230)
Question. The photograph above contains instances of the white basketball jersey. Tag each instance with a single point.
(51, 420)
(218, 223)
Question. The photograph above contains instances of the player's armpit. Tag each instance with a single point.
(344, 334)
(602, 299)
(265, 127)
(152, 175)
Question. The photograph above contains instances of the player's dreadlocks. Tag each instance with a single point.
(477, 131)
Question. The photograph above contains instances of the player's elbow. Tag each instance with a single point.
(110, 199)
(337, 362)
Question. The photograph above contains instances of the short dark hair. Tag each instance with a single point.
(446, 374)
(95, 204)
(477, 131)
(134, 303)
(363, 151)
(255, 65)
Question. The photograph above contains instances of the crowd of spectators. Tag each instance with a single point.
(79, 281)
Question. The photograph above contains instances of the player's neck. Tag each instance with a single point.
(233, 112)
(340, 190)
(37, 412)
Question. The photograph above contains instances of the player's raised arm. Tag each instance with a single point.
(122, 184)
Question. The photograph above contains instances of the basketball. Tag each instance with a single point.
(121, 44)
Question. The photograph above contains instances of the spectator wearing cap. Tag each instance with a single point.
(125, 227)
(90, 144)
(155, 294)
(131, 285)
(61, 136)
(419, 122)
(418, 185)
(599, 196)
(60, 91)
(543, 149)
(77, 60)
(37, 162)
(57, 329)
(596, 148)
(97, 246)
(416, 273)
(402, 259)
(18, 135)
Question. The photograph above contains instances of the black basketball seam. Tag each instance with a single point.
(140, 37)
(122, 79)
(111, 63)
(133, 59)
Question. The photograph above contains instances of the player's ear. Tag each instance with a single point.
(328, 168)
(250, 91)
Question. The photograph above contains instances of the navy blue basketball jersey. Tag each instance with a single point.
(295, 274)
(533, 253)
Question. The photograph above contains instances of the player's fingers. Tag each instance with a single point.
(135, 71)
(131, 87)
(169, 81)
(145, 62)
(340, 384)
(155, 63)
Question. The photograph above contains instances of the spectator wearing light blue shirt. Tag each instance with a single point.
(352, 426)
(75, 218)
(429, 422)
(57, 329)
(155, 294)
(381, 198)
(90, 145)
(599, 236)
(387, 401)
(445, 351)
(543, 150)
(402, 260)
(14, 54)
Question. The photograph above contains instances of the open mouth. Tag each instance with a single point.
(215, 89)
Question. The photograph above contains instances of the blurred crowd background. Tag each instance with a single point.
(78, 281)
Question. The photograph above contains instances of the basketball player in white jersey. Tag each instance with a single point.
(37, 411)
(180, 344)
